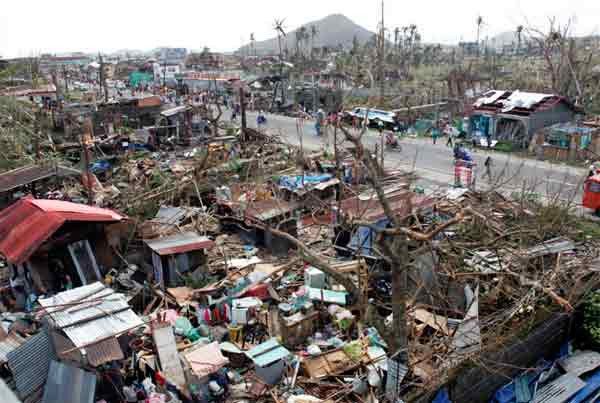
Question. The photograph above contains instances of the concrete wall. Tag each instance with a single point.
(559, 114)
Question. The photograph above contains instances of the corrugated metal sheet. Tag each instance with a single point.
(267, 209)
(26, 175)
(99, 313)
(179, 243)
(7, 395)
(174, 215)
(26, 224)
(10, 343)
(103, 352)
(174, 111)
(68, 384)
(370, 209)
(30, 362)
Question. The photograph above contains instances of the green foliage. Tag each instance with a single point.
(504, 146)
(591, 320)
(587, 230)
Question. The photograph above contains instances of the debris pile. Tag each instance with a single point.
(239, 268)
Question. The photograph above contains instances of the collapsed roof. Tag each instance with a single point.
(518, 102)
(28, 223)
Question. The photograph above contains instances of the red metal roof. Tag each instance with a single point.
(28, 223)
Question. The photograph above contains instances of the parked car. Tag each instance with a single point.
(374, 117)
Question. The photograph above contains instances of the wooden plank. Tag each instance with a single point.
(437, 322)
(164, 339)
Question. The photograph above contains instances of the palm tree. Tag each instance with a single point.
(314, 31)
(519, 37)
(479, 25)
(299, 38)
(303, 34)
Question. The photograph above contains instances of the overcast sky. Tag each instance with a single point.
(29, 27)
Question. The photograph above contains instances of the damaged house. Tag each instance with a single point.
(514, 116)
(51, 245)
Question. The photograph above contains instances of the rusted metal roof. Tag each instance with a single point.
(25, 175)
(179, 243)
(103, 352)
(370, 209)
(91, 313)
(267, 209)
(518, 103)
(28, 223)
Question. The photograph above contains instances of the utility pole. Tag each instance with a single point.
(103, 78)
(382, 56)
(89, 128)
(164, 72)
(66, 80)
(314, 91)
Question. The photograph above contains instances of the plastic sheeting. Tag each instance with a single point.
(295, 182)
(442, 397)
(363, 238)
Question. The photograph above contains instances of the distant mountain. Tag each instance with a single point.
(332, 30)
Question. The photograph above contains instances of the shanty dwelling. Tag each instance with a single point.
(53, 245)
(175, 122)
(569, 141)
(366, 207)
(32, 179)
(514, 116)
(176, 256)
(309, 190)
(43, 94)
(273, 214)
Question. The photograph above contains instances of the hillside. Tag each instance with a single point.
(333, 30)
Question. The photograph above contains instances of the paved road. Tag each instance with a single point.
(433, 164)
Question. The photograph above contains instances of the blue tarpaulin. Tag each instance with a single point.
(442, 397)
(592, 385)
(295, 182)
(507, 393)
(99, 167)
(363, 238)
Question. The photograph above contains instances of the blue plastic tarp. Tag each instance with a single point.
(442, 397)
(507, 393)
(592, 385)
(295, 182)
(362, 239)
(99, 167)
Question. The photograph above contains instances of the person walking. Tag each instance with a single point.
(434, 135)
(488, 169)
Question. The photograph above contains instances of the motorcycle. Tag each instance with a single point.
(391, 142)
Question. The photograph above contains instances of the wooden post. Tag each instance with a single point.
(243, 112)
(382, 151)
